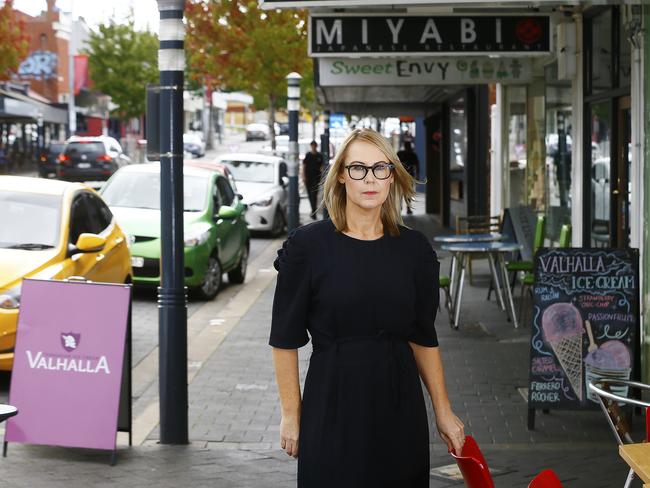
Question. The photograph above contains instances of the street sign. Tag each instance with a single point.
(585, 325)
(341, 35)
(68, 363)
(422, 71)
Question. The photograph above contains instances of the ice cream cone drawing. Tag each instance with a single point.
(611, 360)
(562, 325)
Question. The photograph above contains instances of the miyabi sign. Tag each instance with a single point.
(422, 71)
(334, 35)
(270, 4)
(68, 364)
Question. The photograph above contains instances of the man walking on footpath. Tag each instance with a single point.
(312, 166)
(412, 164)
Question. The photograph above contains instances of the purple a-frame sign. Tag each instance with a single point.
(68, 363)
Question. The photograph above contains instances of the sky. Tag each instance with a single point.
(96, 12)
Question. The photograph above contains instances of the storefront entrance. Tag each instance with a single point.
(608, 134)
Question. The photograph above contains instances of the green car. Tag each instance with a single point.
(216, 234)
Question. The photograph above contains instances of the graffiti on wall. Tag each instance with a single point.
(39, 65)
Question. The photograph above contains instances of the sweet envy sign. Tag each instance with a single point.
(68, 364)
(422, 71)
(356, 35)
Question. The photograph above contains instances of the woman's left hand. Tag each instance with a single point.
(451, 430)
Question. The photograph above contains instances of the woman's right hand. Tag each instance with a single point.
(289, 433)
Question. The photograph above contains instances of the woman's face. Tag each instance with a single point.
(370, 192)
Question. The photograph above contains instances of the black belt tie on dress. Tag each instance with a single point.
(395, 367)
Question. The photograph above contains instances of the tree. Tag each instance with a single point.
(122, 61)
(234, 45)
(14, 42)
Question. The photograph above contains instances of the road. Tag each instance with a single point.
(145, 307)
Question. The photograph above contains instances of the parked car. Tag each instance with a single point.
(90, 158)
(215, 166)
(47, 161)
(262, 181)
(216, 236)
(193, 144)
(282, 129)
(257, 132)
(53, 230)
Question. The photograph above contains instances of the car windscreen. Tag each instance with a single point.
(142, 190)
(253, 171)
(29, 220)
(79, 148)
(55, 148)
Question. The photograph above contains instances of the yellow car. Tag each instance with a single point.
(53, 230)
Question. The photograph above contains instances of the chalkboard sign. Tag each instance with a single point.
(519, 226)
(585, 323)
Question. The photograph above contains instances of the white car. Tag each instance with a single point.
(257, 132)
(262, 181)
(193, 144)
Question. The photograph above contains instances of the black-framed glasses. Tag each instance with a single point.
(380, 170)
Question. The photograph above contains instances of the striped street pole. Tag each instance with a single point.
(172, 296)
(293, 107)
(325, 150)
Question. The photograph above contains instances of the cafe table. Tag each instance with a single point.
(638, 457)
(495, 252)
(462, 238)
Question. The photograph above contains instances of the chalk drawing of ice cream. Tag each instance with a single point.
(562, 325)
(611, 360)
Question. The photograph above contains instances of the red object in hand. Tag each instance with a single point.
(473, 465)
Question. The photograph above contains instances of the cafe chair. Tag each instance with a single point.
(528, 279)
(475, 471)
(546, 479)
(472, 465)
(444, 282)
(521, 266)
(606, 390)
(477, 224)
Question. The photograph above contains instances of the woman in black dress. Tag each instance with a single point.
(366, 289)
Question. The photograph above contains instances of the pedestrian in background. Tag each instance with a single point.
(410, 160)
(366, 289)
(312, 167)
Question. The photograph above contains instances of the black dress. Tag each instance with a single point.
(364, 421)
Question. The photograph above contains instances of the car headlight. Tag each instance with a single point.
(10, 299)
(130, 240)
(266, 202)
(196, 238)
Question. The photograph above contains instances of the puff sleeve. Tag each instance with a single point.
(427, 294)
(292, 294)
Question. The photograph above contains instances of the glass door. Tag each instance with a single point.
(621, 190)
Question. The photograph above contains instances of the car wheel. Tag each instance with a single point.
(212, 280)
(238, 275)
(279, 223)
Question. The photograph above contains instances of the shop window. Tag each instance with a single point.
(559, 131)
(458, 136)
(625, 50)
(601, 52)
(517, 128)
(601, 122)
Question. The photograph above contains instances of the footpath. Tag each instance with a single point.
(234, 411)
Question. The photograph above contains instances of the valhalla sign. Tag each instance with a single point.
(404, 35)
(68, 364)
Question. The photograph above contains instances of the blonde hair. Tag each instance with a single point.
(334, 194)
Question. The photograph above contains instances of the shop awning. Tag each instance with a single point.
(16, 107)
